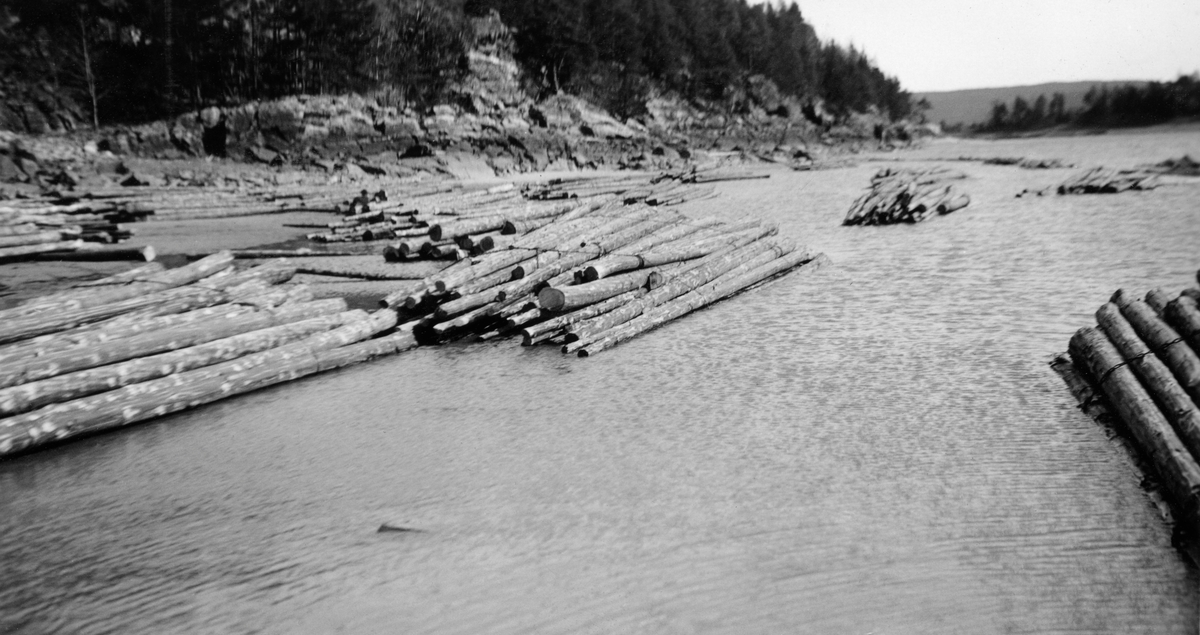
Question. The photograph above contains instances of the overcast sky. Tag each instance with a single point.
(952, 44)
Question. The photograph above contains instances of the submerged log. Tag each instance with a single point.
(1092, 351)
(1156, 378)
(157, 397)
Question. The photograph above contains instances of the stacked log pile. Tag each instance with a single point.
(604, 268)
(151, 341)
(900, 195)
(1108, 181)
(1140, 363)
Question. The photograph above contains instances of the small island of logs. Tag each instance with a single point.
(907, 196)
(1139, 370)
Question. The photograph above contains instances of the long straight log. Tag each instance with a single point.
(19, 229)
(157, 397)
(129, 275)
(91, 297)
(762, 265)
(703, 271)
(1158, 299)
(574, 297)
(150, 343)
(1184, 315)
(25, 251)
(1170, 347)
(1092, 351)
(672, 252)
(532, 333)
(56, 236)
(736, 280)
(1156, 378)
(25, 397)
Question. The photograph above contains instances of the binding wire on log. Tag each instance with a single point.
(1140, 364)
(151, 341)
(907, 196)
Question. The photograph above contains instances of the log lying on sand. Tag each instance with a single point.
(906, 196)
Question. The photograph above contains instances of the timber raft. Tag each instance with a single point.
(583, 264)
(1140, 365)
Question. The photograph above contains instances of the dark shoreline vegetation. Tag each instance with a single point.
(1126, 106)
(99, 62)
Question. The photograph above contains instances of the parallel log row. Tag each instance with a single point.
(604, 269)
(1142, 360)
(1108, 181)
(151, 341)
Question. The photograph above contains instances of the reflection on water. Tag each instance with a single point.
(879, 447)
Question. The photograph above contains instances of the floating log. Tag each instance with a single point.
(56, 236)
(1156, 378)
(150, 343)
(574, 297)
(28, 396)
(1106, 181)
(83, 298)
(157, 397)
(1164, 341)
(1158, 300)
(25, 251)
(96, 252)
(722, 287)
(546, 329)
(1092, 351)
(1183, 314)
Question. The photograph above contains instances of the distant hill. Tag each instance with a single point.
(975, 105)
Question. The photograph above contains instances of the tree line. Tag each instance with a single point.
(1103, 106)
(133, 60)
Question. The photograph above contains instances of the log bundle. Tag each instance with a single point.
(1140, 364)
(907, 196)
(605, 267)
(1108, 181)
(151, 341)
(34, 229)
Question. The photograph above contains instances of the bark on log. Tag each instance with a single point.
(1156, 378)
(1183, 314)
(532, 334)
(705, 270)
(574, 297)
(25, 397)
(1158, 300)
(1092, 351)
(157, 397)
(764, 265)
(1170, 347)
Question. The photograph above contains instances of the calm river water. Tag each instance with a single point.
(879, 447)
